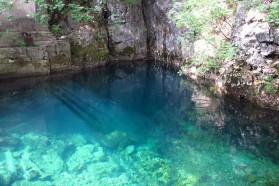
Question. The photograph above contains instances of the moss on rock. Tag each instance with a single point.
(59, 59)
(128, 51)
(89, 53)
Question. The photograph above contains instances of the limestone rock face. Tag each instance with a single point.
(256, 69)
(23, 49)
(28, 48)
(89, 41)
(163, 34)
(89, 46)
(127, 30)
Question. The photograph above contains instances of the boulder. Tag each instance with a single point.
(115, 139)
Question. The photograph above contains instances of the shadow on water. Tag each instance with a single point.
(78, 107)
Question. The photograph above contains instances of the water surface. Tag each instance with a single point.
(132, 124)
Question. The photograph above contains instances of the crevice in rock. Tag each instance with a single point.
(149, 55)
(106, 17)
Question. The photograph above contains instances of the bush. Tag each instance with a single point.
(205, 20)
(273, 12)
(269, 84)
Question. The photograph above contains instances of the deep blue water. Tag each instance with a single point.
(132, 124)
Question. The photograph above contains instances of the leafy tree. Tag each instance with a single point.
(273, 12)
(52, 12)
(5, 8)
(205, 19)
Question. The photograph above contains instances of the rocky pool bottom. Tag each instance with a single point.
(132, 124)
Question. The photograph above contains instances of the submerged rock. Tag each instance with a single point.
(5, 179)
(149, 166)
(76, 139)
(35, 140)
(84, 155)
(50, 163)
(129, 150)
(9, 142)
(33, 183)
(115, 139)
(34, 175)
(68, 151)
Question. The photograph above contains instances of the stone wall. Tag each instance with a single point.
(28, 48)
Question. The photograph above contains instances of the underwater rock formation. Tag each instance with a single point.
(115, 139)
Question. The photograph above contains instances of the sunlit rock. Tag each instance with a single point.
(83, 155)
(50, 163)
(76, 139)
(129, 150)
(35, 140)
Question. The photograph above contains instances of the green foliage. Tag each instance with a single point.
(270, 7)
(5, 8)
(199, 16)
(37, 44)
(81, 13)
(226, 51)
(22, 44)
(57, 10)
(206, 63)
(56, 29)
(144, 29)
(273, 12)
(51, 12)
(12, 38)
(204, 20)
(118, 22)
(99, 36)
(269, 84)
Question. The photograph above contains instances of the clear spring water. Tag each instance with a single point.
(133, 124)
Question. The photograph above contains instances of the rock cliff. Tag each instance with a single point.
(163, 34)
(144, 29)
(254, 75)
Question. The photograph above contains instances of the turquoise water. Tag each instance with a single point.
(132, 124)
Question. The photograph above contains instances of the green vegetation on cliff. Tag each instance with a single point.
(208, 21)
(210, 25)
(273, 12)
(5, 8)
